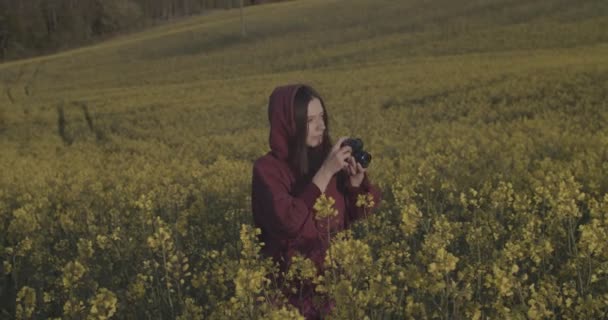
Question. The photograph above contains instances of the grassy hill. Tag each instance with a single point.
(452, 98)
(391, 50)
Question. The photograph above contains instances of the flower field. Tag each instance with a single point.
(125, 167)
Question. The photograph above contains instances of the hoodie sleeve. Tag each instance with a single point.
(281, 213)
(356, 213)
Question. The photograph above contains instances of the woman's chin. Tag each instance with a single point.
(315, 144)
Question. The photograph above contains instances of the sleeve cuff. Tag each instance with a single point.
(364, 187)
(310, 195)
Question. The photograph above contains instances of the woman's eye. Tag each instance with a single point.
(319, 118)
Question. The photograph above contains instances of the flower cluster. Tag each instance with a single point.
(324, 207)
(103, 305)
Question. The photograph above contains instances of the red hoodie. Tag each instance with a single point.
(282, 202)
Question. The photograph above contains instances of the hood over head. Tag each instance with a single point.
(282, 119)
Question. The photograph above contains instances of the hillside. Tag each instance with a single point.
(486, 119)
(392, 50)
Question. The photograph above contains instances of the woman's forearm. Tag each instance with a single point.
(321, 178)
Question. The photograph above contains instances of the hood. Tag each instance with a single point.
(281, 117)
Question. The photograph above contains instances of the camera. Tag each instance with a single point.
(358, 153)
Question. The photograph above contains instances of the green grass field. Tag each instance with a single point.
(456, 100)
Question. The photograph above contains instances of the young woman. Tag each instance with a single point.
(301, 165)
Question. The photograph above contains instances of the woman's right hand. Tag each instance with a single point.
(335, 161)
(337, 158)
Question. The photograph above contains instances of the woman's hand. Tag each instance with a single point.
(337, 158)
(355, 171)
(335, 161)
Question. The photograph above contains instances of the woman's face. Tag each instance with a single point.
(316, 124)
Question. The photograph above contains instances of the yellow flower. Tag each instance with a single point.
(162, 239)
(444, 262)
(137, 289)
(72, 309)
(285, 314)
(324, 207)
(72, 272)
(301, 268)
(191, 310)
(250, 249)
(26, 303)
(47, 297)
(350, 255)
(24, 247)
(23, 222)
(103, 241)
(410, 217)
(85, 248)
(7, 266)
(365, 200)
(249, 282)
(103, 305)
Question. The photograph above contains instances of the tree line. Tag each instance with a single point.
(32, 27)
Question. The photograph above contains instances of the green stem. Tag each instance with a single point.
(167, 280)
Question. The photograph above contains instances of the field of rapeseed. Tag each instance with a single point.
(126, 166)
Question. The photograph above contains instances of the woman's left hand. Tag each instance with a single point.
(355, 171)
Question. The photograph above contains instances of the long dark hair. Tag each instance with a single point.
(304, 160)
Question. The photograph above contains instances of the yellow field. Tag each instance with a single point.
(126, 166)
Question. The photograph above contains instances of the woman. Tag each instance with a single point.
(301, 165)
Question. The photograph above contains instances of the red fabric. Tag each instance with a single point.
(282, 203)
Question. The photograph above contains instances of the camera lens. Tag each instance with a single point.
(363, 158)
(358, 153)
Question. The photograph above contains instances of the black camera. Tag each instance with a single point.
(358, 153)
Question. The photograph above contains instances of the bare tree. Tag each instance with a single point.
(243, 32)
(29, 27)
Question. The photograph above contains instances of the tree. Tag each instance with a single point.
(115, 15)
(3, 32)
(243, 32)
(38, 26)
